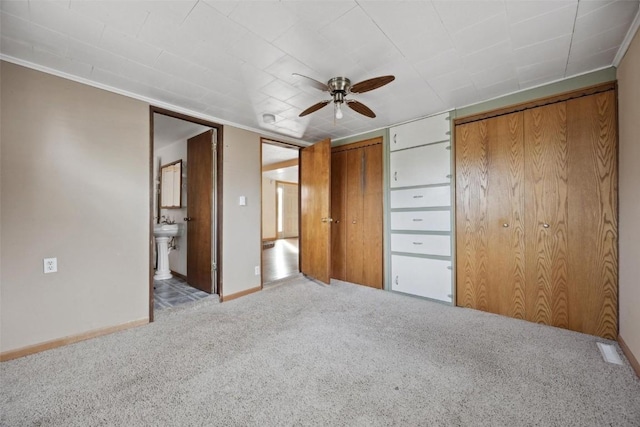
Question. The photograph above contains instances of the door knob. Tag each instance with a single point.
(505, 225)
(545, 225)
(327, 219)
(188, 218)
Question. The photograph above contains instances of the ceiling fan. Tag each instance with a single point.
(339, 87)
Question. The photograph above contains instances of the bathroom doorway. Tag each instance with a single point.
(280, 211)
(184, 266)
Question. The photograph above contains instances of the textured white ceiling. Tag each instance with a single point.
(232, 61)
(167, 130)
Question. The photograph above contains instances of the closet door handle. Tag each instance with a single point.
(545, 225)
(505, 225)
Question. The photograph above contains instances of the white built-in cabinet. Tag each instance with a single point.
(420, 203)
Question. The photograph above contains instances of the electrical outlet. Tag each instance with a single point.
(50, 265)
(257, 270)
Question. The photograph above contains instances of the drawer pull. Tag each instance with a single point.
(394, 138)
(395, 176)
(396, 281)
(417, 219)
(448, 147)
(449, 267)
(417, 243)
(418, 196)
(449, 176)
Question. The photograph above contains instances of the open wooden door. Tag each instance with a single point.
(199, 209)
(315, 211)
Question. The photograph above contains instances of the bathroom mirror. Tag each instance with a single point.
(171, 185)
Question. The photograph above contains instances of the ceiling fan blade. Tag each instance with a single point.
(314, 107)
(371, 84)
(359, 107)
(313, 82)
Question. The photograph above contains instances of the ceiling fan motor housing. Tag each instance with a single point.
(339, 84)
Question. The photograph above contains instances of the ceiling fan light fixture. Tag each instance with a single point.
(339, 88)
(339, 114)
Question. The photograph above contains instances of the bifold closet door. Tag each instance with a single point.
(546, 204)
(364, 216)
(339, 215)
(490, 215)
(593, 217)
(356, 209)
(372, 251)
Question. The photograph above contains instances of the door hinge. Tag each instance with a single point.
(214, 145)
(214, 267)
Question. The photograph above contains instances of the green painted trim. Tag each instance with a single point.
(384, 133)
(566, 85)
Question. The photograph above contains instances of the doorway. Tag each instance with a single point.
(280, 211)
(191, 270)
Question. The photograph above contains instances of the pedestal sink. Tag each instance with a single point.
(163, 233)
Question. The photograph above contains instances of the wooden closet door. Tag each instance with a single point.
(490, 215)
(355, 215)
(546, 205)
(372, 251)
(339, 215)
(593, 226)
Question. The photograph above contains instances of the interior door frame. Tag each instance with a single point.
(292, 146)
(217, 198)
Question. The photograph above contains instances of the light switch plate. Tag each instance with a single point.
(243, 201)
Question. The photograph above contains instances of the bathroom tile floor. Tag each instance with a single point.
(175, 291)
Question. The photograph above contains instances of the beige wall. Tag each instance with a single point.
(268, 208)
(74, 185)
(629, 182)
(241, 242)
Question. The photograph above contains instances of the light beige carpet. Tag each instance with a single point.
(304, 354)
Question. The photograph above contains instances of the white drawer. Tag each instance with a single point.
(421, 166)
(424, 131)
(429, 278)
(421, 197)
(421, 221)
(424, 244)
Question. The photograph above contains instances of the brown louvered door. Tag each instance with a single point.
(536, 215)
(490, 215)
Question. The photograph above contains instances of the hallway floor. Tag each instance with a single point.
(280, 261)
(175, 291)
